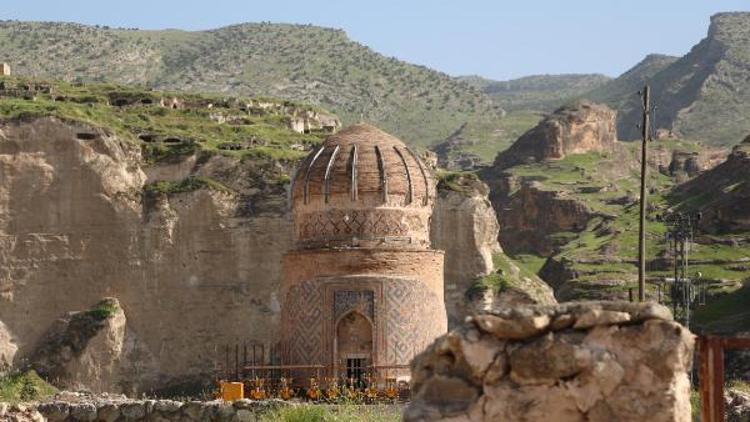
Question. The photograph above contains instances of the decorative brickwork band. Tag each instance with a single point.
(415, 318)
(341, 224)
(361, 301)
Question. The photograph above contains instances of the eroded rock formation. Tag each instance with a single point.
(465, 226)
(536, 214)
(75, 226)
(589, 361)
(573, 129)
(94, 350)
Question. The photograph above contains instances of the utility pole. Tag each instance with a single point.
(645, 129)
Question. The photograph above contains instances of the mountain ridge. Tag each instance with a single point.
(705, 94)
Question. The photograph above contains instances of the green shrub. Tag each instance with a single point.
(102, 310)
(18, 386)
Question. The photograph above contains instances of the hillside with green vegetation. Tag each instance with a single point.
(525, 102)
(538, 92)
(599, 259)
(168, 124)
(17, 386)
(619, 92)
(298, 62)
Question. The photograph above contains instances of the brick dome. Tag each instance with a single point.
(355, 172)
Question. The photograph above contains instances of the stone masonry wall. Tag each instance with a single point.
(82, 407)
(593, 361)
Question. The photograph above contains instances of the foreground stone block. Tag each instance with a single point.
(588, 361)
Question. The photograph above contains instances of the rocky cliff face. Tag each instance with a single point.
(528, 213)
(465, 226)
(532, 215)
(573, 129)
(193, 270)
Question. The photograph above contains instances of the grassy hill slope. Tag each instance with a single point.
(619, 92)
(168, 124)
(299, 62)
(596, 195)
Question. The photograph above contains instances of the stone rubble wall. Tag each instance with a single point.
(78, 407)
(588, 361)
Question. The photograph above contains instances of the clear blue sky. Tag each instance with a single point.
(497, 39)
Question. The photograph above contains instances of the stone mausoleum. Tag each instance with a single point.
(362, 287)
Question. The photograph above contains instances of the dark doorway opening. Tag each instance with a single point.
(355, 369)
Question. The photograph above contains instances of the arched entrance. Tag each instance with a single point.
(354, 343)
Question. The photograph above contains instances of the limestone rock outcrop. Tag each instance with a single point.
(532, 214)
(8, 347)
(573, 129)
(94, 350)
(587, 361)
(465, 226)
(517, 286)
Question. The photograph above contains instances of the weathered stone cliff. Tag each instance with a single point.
(532, 215)
(95, 350)
(465, 226)
(192, 270)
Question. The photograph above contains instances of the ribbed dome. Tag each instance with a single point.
(362, 184)
(359, 162)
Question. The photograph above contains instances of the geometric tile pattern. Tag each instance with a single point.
(338, 224)
(303, 323)
(405, 315)
(362, 301)
(412, 313)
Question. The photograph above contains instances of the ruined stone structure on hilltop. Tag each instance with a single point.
(363, 286)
